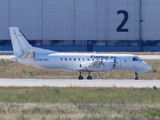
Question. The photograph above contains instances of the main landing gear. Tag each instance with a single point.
(136, 74)
(89, 77)
(80, 76)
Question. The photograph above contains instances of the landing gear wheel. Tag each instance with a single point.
(136, 74)
(136, 78)
(80, 78)
(89, 77)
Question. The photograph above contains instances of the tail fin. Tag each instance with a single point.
(21, 45)
(19, 42)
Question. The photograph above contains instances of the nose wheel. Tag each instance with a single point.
(136, 74)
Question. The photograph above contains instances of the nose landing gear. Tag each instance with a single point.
(136, 74)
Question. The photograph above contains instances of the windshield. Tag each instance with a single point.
(136, 59)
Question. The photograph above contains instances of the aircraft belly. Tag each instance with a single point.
(126, 68)
(63, 66)
(131, 66)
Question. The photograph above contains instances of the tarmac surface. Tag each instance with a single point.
(149, 56)
(79, 83)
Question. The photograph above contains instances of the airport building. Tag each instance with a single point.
(83, 25)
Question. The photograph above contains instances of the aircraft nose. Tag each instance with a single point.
(148, 67)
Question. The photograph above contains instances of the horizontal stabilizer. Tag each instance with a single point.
(29, 54)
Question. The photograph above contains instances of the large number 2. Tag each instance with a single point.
(120, 27)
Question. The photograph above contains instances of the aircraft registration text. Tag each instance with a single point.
(41, 59)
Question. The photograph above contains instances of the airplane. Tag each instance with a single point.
(25, 53)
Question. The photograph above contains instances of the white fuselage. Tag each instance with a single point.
(27, 54)
(75, 62)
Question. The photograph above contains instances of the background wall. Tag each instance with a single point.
(82, 19)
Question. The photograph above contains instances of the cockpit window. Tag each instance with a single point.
(136, 59)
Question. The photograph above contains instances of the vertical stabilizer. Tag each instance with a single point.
(19, 42)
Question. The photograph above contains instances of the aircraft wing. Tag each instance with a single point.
(95, 64)
(90, 65)
(29, 54)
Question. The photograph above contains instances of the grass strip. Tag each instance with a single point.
(25, 103)
(79, 95)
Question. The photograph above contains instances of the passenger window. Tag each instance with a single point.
(65, 59)
(79, 59)
(74, 59)
(61, 59)
(88, 59)
(70, 59)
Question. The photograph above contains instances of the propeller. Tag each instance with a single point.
(115, 63)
